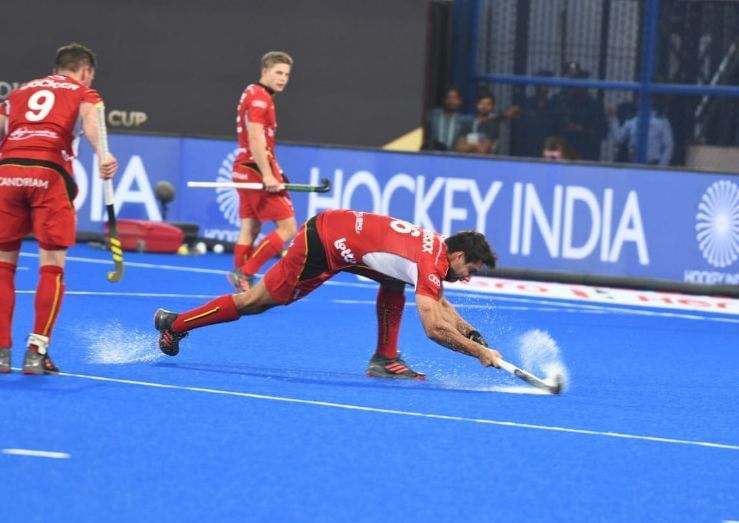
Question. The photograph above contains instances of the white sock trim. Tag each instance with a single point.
(41, 342)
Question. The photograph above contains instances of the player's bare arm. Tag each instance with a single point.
(108, 165)
(454, 318)
(2, 126)
(258, 148)
(436, 323)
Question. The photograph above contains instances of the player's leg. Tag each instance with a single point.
(47, 304)
(15, 223)
(54, 222)
(270, 246)
(386, 362)
(389, 308)
(174, 326)
(251, 226)
(8, 264)
(280, 286)
(250, 229)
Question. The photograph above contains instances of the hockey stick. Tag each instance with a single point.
(113, 241)
(256, 186)
(553, 388)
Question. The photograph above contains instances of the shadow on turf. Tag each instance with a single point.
(315, 377)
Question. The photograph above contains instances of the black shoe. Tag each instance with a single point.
(5, 361)
(36, 364)
(382, 367)
(169, 340)
(241, 282)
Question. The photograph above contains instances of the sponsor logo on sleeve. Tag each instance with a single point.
(433, 278)
(259, 103)
(358, 221)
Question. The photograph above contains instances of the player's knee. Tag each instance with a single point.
(287, 230)
(253, 301)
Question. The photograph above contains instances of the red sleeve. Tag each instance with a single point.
(91, 96)
(429, 284)
(4, 108)
(256, 109)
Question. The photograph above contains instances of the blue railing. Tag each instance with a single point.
(467, 74)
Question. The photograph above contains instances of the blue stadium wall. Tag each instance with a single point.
(645, 223)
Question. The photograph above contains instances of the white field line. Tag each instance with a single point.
(538, 306)
(36, 453)
(550, 306)
(544, 302)
(392, 412)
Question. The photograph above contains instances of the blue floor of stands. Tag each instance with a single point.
(272, 419)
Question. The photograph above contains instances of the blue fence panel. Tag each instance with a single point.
(674, 225)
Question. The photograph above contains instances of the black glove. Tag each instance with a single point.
(477, 338)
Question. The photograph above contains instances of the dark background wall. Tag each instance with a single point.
(357, 78)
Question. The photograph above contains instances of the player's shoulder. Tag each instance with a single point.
(255, 92)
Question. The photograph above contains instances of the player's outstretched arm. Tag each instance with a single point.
(2, 126)
(438, 327)
(453, 317)
(464, 328)
(108, 165)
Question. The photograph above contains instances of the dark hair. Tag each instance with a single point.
(557, 143)
(474, 246)
(486, 95)
(450, 89)
(73, 56)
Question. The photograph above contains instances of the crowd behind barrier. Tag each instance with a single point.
(571, 121)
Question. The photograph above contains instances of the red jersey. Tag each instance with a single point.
(42, 117)
(256, 105)
(386, 245)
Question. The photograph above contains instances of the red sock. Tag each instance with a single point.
(267, 248)
(242, 252)
(218, 310)
(49, 293)
(390, 306)
(7, 303)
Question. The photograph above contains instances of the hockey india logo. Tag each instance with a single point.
(717, 224)
(228, 199)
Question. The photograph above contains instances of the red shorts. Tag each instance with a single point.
(36, 197)
(262, 205)
(302, 270)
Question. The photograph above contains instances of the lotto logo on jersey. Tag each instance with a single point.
(405, 227)
(433, 278)
(259, 103)
(345, 251)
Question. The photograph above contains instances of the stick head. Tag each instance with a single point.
(116, 275)
(557, 384)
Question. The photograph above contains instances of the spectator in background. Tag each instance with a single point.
(660, 145)
(538, 120)
(556, 148)
(582, 120)
(444, 124)
(624, 111)
(480, 135)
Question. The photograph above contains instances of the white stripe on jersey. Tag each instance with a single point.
(392, 265)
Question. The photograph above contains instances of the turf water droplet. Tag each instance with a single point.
(541, 356)
(112, 344)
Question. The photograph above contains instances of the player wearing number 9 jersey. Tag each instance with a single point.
(38, 123)
(393, 252)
